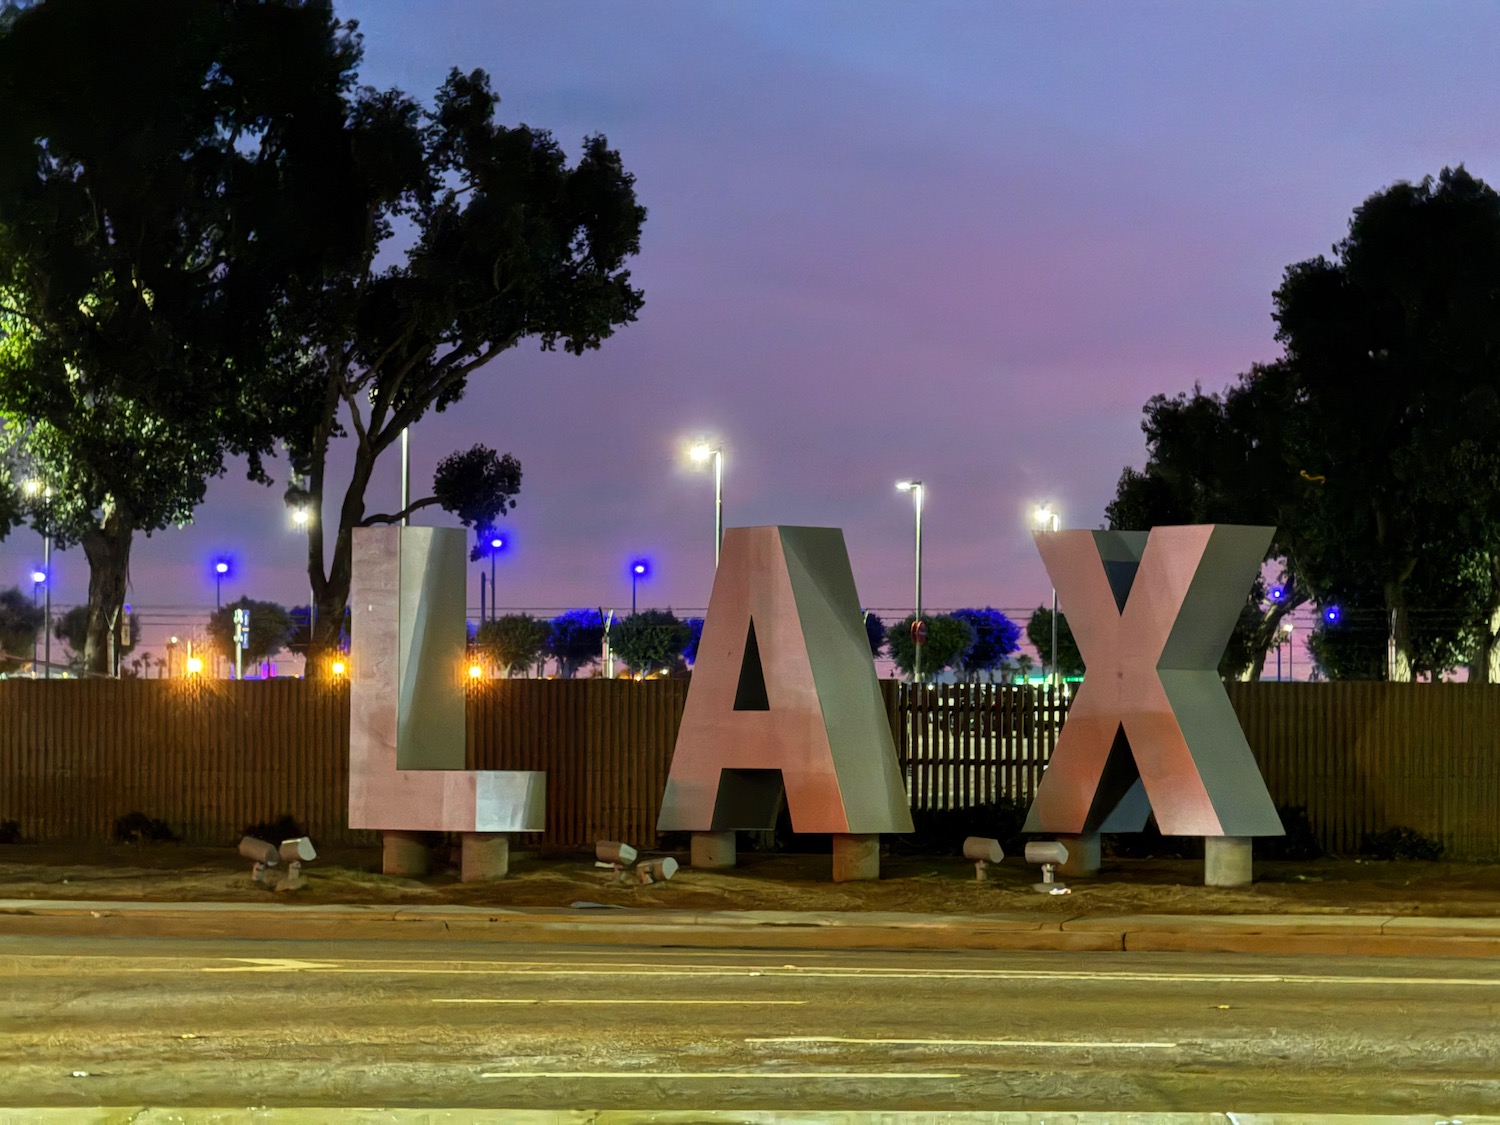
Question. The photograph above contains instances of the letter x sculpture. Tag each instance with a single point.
(1151, 728)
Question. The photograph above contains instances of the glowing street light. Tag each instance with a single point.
(918, 625)
(701, 452)
(1045, 519)
(497, 544)
(39, 490)
(194, 665)
(639, 569)
(221, 568)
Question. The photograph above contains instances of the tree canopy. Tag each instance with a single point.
(20, 625)
(650, 641)
(271, 630)
(996, 636)
(1371, 443)
(948, 638)
(513, 642)
(575, 640)
(1039, 633)
(161, 165)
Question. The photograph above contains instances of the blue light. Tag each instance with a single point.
(1332, 614)
(1278, 593)
(640, 568)
(39, 576)
(497, 543)
(221, 567)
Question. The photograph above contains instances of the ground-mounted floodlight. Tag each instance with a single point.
(983, 852)
(656, 871)
(1050, 855)
(294, 853)
(615, 856)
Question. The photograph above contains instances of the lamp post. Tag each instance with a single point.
(497, 544)
(701, 452)
(1045, 519)
(37, 488)
(302, 520)
(918, 625)
(38, 580)
(221, 568)
(638, 570)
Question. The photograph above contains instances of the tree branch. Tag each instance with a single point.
(382, 517)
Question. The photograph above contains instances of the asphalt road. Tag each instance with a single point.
(88, 1021)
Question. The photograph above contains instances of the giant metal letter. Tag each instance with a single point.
(406, 698)
(784, 693)
(1151, 728)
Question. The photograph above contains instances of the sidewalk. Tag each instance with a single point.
(783, 901)
(1371, 935)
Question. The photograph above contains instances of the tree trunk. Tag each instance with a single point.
(1484, 664)
(1398, 669)
(107, 547)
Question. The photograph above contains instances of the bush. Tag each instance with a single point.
(138, 828)
(1300, 842)
(284, 827)
(1400, 843)
(941, 832)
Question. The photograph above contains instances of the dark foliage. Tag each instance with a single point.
(138, 828)
(941, 832)
(1400, 843)
(284, 827)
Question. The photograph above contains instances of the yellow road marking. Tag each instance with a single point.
(1047, 1043)
(731, 1076)
(612, 1003)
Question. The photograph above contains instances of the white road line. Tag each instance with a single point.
(726, 1076)
(1038, 1043)
(614, 1003)
(415, 967)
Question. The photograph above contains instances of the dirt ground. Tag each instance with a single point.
(769, 881)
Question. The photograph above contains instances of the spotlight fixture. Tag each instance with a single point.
(983, 852)
(1049, 854)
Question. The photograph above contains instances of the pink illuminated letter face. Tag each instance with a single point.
(1151, 728)
(784, 694)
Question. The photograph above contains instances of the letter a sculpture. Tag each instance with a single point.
(1151, 728)
(784, 694)
(407, 709)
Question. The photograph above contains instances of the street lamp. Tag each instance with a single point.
(302, 520)
(1045, 519)
(638, 570)
(221, 568)
(918, 625)
(701, 452)
(36, 488)
(38, 580)
(497, 544)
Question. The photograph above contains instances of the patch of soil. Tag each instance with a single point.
(762, 881)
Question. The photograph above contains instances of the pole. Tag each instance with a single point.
(718, 505)
(47, 594)
(916, 665)
(481, 598)
(1055, 679)
(493, 597)
(633, 577)
(405, 475)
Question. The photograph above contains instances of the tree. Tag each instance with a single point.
(575, 640)
(1392, 350)
(948, 638)
(161, 162)
(478, 486)
(875, 634)
(271, 629)
(20, 624)
(507, 244)
(650, 640)
(995, 638)
(1039, 633)
(513, 642)
(695, 637)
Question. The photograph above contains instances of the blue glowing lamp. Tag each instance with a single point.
(39, 576)
(640, 568)
(1332, 614)
(1278, 593)
(497, 543)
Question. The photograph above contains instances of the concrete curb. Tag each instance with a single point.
(1379, 935)
(160, 1115)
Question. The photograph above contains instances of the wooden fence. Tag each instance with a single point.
(213, 756)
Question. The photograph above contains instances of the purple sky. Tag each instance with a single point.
(958, 242)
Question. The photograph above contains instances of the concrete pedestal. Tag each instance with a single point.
(855, 857)
(1226, 861)
(1083, 855)
(484, 856)
(405, 853)
(713, 849)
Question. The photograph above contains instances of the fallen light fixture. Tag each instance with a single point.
(1050, 854)
(983, 852)
(294, 853)
(656, 871)
(614, 855)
